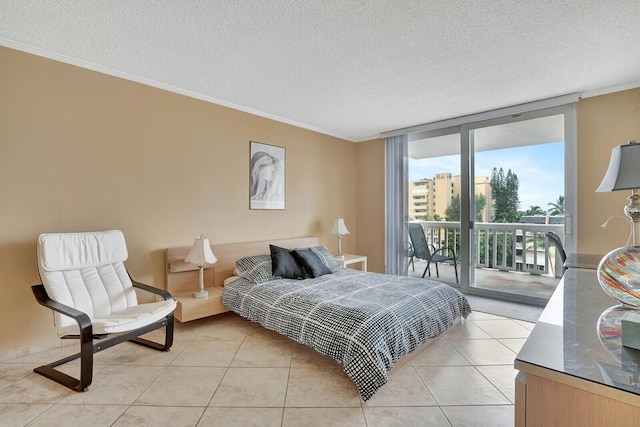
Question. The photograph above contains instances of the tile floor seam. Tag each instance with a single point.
(428, 389)
(444, 414)
(496, 386)
(460, 353)
(223, 375)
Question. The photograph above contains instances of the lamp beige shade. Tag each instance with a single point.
(339, 227)
(201, 253)
(624, 169)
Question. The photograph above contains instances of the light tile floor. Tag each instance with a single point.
(225, 371)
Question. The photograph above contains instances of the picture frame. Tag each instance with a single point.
(266, 176)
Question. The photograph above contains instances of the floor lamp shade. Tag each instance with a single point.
(201, 255)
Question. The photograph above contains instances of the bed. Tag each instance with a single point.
(367, 322)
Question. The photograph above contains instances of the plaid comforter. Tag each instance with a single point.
(365, 321)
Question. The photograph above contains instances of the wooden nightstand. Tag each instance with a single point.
(190, 308)
(348, 259)
(182, 282)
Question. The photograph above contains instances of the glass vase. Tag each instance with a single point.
(619, 275)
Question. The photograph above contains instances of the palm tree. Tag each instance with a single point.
(535, 210)
(557, 208)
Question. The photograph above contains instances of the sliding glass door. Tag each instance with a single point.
(434, 199)
(491, 191)
(519, 176)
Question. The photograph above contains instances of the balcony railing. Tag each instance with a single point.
(504, 246)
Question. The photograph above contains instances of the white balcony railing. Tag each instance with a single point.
(504, 246)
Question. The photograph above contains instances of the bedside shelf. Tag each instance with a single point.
(348, 259)
(190, 308)
(182, 282)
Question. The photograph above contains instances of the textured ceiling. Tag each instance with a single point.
(350, 68)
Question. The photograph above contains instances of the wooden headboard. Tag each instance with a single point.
(182, 276)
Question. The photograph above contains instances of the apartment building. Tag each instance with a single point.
(430, 198)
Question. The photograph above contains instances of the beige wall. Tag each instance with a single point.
(80, 150)
(603, 123)
(370, 184)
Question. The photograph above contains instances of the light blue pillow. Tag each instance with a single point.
(325, 256)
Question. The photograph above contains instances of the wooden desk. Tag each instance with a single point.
(573, 369)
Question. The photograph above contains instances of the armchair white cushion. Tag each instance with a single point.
(85, 283)
(86, 271)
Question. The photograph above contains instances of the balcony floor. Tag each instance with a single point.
(505, 281)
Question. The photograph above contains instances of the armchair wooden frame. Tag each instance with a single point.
(87, 346)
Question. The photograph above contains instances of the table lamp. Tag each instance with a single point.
(340, 229)
(201, 255)
(624, 174)
(619, 270)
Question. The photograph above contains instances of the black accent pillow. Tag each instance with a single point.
(311, 262)
(283, 264)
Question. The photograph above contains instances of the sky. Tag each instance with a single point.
(540, 170)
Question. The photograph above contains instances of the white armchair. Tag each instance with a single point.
(93, 297)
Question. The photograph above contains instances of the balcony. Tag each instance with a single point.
(516, 257)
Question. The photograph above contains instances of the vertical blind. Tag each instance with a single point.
(396, 204)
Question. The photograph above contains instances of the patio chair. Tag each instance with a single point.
(557, 242)
(85, 283)
(409, 251)
(427, 252)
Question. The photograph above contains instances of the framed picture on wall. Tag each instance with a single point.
(266, 176)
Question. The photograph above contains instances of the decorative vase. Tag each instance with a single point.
(619, 275)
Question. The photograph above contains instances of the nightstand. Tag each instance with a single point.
(348, 259)
(182, 282)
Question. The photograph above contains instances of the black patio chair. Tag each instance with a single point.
(422, 250)
(409, 250)
(555, 239)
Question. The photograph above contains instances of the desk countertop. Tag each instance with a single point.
(588, 261)
(578, 334)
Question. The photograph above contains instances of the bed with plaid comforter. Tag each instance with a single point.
(365, 321)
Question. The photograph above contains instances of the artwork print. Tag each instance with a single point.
(266, 176)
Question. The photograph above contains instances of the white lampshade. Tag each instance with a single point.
(339, 228)
(624, 169)
(201, 252)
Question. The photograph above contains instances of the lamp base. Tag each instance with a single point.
(632, 211)
(201, 294)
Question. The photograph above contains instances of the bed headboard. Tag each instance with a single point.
(182, 276)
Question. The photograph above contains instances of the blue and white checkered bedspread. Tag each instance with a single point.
(365, 321)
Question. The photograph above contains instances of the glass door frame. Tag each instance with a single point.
(467, 199)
